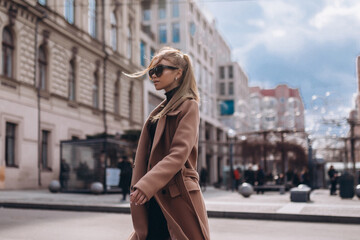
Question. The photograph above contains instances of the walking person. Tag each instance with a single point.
(332, 173)
(203, 178)
(125, 166)
(166, 201)
(64, 174)
(260, 179)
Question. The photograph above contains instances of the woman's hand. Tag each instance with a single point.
(138, 197)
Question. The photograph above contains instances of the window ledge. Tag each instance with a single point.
(73, 104)
(12, 166)
(44, 93)
(9, 82)
(96, 111)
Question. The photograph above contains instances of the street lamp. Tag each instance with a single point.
(352, 121)
(231, 135)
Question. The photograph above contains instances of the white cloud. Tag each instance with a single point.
(336, 21)
(286, 28)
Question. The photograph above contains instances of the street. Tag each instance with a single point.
(23, 224)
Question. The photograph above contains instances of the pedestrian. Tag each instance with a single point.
(237, 177)
(64, 174)
(165, 200)
(250, 176)
(203, 178)
(305, 177)
(260, 179)
(332, 173)
(125, 166)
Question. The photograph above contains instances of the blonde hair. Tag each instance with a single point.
(187, 83)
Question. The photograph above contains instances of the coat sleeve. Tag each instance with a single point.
(184, 140)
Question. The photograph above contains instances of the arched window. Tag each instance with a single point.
(42, 63)
(96, 90)
(7, 53)
(117, 96)
(129, 42)
(113, 31)
(92, 20)
(69, 11)
(72, 81)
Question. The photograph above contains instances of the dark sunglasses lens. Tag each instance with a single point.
(151, 72)
(159, 70)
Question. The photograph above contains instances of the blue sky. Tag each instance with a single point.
(308, 44)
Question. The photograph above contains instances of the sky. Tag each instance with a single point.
(307, 44)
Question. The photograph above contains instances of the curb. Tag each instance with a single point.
(211, 214)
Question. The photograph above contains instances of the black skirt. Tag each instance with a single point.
(157, 223)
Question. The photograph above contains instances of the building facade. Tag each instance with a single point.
(233, 97)
(183, 25)
(280, 108)
(62, 78)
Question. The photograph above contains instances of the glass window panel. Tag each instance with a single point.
(142, 53)
(69, 11)
(113, 31)
(10, 144)
(42, 2)
(176, 32)
(162, 33)
(92, 18)
(175, 8)
(231, 88)
(162, 9)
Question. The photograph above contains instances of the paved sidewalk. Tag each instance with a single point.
(219, 203)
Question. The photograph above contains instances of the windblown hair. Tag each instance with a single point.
(187, 83)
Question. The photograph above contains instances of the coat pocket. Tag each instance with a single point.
(191, 185)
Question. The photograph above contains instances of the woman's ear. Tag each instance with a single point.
(179, 73)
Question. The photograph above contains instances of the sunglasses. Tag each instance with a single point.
(158, 70)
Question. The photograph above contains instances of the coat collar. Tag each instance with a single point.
(161, 123)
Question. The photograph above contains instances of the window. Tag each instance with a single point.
(162, 9)
(7, 53)
(116, 95)
(113, 31)
(222, 88)
(42, 68)
(45, 149)
(92, 18)
(146, 15)
(231, 88)
(176, 32)
(42, 2)
(10, 141)
(175, 8)
(72, 83)
(96, 90)
(142, 53)
(69, 11)
(222, 72)
(152, 53)
(129, 42)
(162, 33)
(231, 74)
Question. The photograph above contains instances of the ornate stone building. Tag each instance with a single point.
(61, 78)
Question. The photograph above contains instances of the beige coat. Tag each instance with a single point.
(170, 175)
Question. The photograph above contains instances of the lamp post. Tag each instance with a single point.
(231, 135)
(352, 122)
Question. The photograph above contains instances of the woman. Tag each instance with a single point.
(166, 201)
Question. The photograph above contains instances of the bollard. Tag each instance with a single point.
(97, 187)
(54, 186)
(246, 190)
(357, 191)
